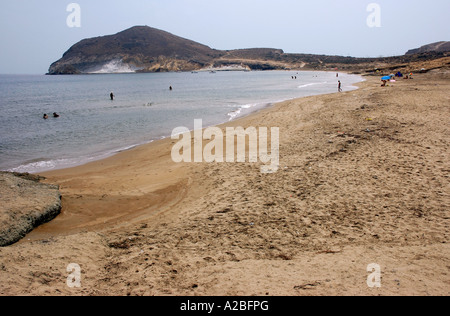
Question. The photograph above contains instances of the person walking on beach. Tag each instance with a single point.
(340, 86)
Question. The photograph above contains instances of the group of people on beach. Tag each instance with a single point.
(55, 115)
(391, 78)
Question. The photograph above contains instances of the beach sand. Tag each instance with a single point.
(363, 179)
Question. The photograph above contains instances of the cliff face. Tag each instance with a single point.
(139, 48)
(146, 49)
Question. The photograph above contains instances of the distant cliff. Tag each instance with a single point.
(139, 48)
(435, 47)
(146, 49)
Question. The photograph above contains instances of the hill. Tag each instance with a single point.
(146, 49)
(435, 47)
(139, 48)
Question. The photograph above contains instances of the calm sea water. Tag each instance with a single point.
(91, 126)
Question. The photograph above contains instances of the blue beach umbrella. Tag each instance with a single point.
(386, 78)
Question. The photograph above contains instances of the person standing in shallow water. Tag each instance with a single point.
(340, 86)
(112, 96)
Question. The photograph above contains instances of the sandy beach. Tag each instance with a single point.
(363, 179)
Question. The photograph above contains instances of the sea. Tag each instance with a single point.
(91, 126)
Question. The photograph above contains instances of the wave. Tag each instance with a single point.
(43, 165)
(234, 114)
(116, 66)
(47, 164)
(246, 109)
(311, 84)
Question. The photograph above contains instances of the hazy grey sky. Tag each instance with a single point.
(34, 33)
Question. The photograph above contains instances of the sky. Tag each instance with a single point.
(35, 33)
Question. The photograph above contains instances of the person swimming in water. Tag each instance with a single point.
(45, 116)
(55, 115)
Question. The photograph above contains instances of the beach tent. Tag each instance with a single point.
(399, 74)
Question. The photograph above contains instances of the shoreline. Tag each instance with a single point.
(265, 106)
(35, 166)
(363, 179)
(152, 150)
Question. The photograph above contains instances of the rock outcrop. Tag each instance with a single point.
(25, 203)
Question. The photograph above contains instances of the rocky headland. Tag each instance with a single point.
(146, 49)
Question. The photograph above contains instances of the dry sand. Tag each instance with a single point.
(364, 178)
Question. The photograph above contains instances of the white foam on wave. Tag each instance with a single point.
(44, 165)
(234, 114)
(311, 84)
(245, 109)
(62, 163)
(116, 66)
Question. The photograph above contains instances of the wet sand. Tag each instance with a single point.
(363, 178)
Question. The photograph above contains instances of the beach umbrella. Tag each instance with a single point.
(386, 78)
